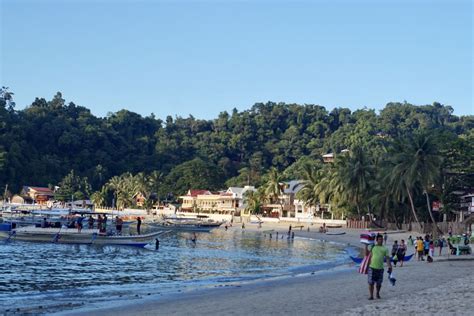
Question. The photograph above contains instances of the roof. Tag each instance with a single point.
(235, 190)
(293, 186)
(226, 194)
(39, 189)
(198, 192)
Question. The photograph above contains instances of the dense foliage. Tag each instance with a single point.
(54, 141)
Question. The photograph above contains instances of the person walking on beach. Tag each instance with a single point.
(419, 248)
(375, 276)
(431, 250)
(394, 248)
(385, 237)
(440, 245)
(426, 246)
(402, 249)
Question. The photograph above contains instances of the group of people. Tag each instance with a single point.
(426, 247)
(398, 252)
(119, 225)
(78, 222)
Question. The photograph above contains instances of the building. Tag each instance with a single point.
(39, 195)
(328, 158)
(467, 203)
(289, 206)
(229, 202)
(18, 199)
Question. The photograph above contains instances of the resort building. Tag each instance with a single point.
(290, 207)
(229, 202)
(38, 195)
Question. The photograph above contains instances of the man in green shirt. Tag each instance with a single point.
(379, 254)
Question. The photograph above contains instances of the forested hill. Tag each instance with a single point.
(41, 144)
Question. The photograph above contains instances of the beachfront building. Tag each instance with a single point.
(229, 202)
(292, 208)
(288, 205)
(39, 195)
(21, 199)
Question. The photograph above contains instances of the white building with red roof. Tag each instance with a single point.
(39, 195)
(205, 201)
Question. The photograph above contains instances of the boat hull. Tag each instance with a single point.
(186, 228)
(359, 260)
(72, 236)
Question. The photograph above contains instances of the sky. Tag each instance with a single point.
(200, 58)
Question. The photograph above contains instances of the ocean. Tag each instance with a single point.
(46, 277)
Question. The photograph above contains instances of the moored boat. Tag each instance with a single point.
(187, 224)
(73, 236)
(359, 260)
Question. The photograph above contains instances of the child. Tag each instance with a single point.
(431, 249)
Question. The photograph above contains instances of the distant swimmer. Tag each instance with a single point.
(157, 244)
(194, 239)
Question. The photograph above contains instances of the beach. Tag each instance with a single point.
(444, 287)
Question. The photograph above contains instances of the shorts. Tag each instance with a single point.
(375, 276)
(400, 257)
(420, 253)
(427, 251)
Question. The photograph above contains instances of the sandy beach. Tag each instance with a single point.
(444, 287)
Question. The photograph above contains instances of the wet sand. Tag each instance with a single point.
(444, 287)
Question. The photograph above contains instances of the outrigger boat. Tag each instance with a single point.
(359, 260)
(187, 224)
(73, 236)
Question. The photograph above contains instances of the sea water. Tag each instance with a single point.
(47, 277)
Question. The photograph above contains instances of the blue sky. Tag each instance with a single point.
(204, 57)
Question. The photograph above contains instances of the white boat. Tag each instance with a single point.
(73, 236)
(187, 224)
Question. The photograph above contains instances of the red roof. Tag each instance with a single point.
(40, 189)
(198, 192)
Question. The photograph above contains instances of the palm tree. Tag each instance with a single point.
(415, 167)
(354, 173)
(309, 192)
(99, 197)
(253, 202)
(273, 188)
(115, 184)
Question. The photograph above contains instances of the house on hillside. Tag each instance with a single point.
(328, 158)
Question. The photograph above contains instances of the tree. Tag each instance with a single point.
(273, 185)
(73, 186)
(6, 98)
(253, 202)
(415, 168)
(355, 173)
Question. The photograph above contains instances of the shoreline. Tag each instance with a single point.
(307, 293)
